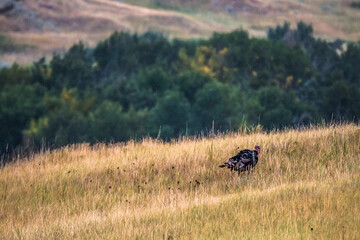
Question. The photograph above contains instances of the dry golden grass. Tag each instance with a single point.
(305, 186)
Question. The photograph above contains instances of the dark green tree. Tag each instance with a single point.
(216, 103)
(171, 113)
(19, 104)
(73, 70)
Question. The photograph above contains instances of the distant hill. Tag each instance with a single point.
(331, 18)
(46, 26)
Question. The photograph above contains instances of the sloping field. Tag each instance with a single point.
(92, 16)
(305, 186)
(331, 19)
(48, 26)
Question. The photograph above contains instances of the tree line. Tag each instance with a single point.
(132, 86)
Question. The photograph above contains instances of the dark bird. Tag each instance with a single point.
(245, 160)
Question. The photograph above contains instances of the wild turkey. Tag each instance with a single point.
(245, 160)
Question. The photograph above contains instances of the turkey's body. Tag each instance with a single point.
(245, 160)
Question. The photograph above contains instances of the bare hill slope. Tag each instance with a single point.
(49, 25)
(52, 25)
(330, 18)
(91, 16)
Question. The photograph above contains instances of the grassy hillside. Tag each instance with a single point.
(331, 19)
(306, 186)
(50, 25)
(53, 25)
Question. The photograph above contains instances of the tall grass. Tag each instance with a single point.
(305, 186)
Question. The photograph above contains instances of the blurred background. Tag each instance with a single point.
(106, 70)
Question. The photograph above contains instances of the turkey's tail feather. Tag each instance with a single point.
(227, 164)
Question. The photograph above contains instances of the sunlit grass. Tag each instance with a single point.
(305, 186)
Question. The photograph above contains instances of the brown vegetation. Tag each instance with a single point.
(63, 23)
(51, 26)
(306, 186)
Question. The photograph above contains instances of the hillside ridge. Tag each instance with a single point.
(48, 26)
(53, 26)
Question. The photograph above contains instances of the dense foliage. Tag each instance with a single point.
(355, 4)
(131, 86)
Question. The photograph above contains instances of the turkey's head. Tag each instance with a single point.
(257, 148)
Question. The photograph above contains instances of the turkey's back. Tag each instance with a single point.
(247, 154)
